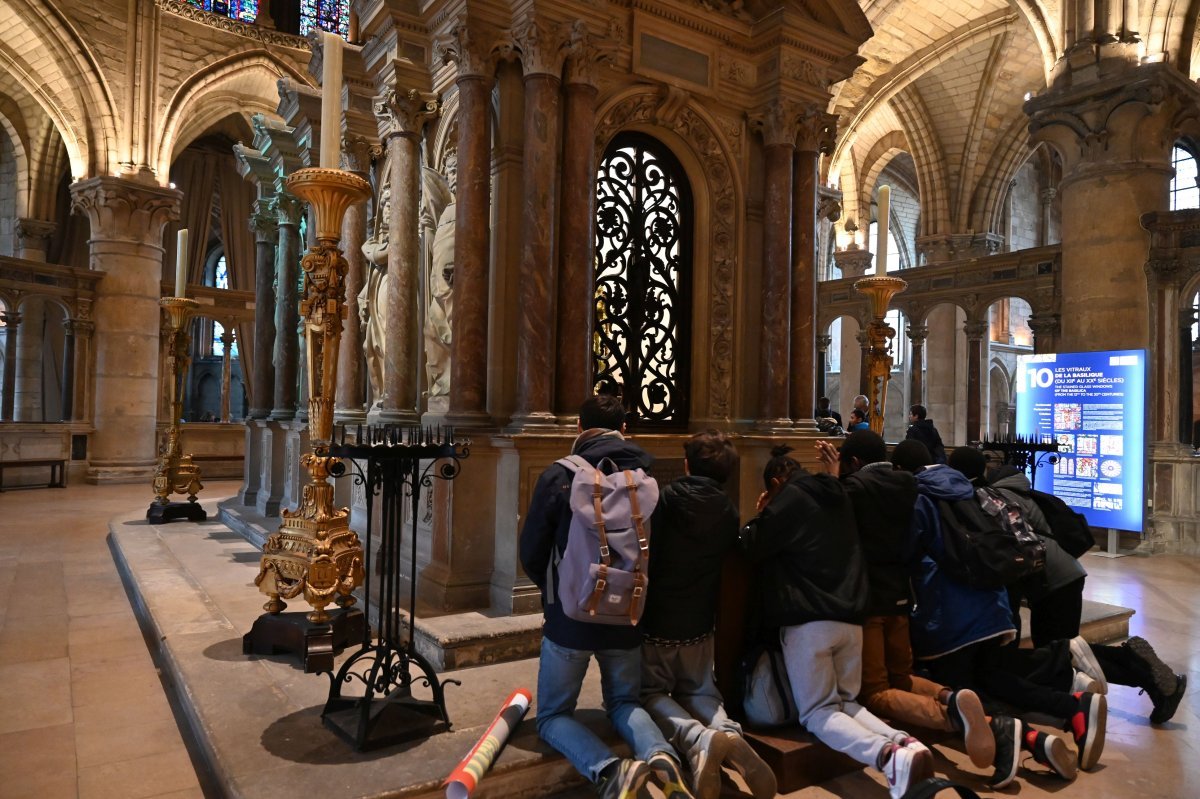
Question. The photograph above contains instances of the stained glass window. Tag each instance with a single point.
(218, 346)
(221, 274)
(326, 15)
(242, 10)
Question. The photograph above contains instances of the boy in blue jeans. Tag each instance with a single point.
(569, 645)
(694, 527)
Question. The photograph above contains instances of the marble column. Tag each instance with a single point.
(577, 240)
(1187, 317)
(227, 339)
(975, 343)
(287, 309)
(864, 346)
(542, 60)
(33, 238)
(12, 324)
(265, 224)
(823, 343)
(472, 223)
(778, 127)
(804, 285)
(916, 362)
(402, 117)
(127, 220)
(27, 403)
(350, 398)
(68, 371)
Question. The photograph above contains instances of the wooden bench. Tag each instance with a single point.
(58, 471)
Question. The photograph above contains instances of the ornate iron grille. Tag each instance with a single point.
(642, 289)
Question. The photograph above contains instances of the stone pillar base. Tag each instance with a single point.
(537, 423)
(295, 436)
(783, 427)
(102, 475)
(443, 590)
(251, 464)
(391, 416)
(271, 468)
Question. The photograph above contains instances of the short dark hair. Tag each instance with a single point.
(970, 461)
(602, 410)
(858, 412)
(911, 456)
(866, 445)
(711, 454)
(919, 411)
(780, 466)
(823, 401)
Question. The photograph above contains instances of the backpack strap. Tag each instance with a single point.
(605, 558)
(573, 464)
(639, 577)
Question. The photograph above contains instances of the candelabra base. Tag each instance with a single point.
(314, 645)
(162, 513)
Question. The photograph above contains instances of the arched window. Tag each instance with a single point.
(1184, 191)
(643, 280)
(326, 15)
(242, 10)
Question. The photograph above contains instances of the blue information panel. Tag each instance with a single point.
(1093, 404)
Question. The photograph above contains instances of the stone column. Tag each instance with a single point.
(1045, 330)
(916, 362)
(1187, 316)
(1047, 199)
(778, 127)
(287, 308)
(127, 221)
(816, 136)
(542, 57)
(975, 343)
(864, 346)
(402, 116)
(577, 239)
(227, 339)
(68, 371)
(350, 399)
(472, 223)
(30, 343)
(33, 238)
(265, 224)
(822, 343)
(12, 322)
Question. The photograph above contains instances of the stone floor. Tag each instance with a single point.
(85, 714)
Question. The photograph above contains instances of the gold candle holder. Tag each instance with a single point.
(879, 292)
(176, 473)
(314, 552)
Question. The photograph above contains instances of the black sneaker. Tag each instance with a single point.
(1007, 732)
(667, 774)
(625, 779)
(1164, 686)
(1050, 751)
(966, 714)
(1087, 725)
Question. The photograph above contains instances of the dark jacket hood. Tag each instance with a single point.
(1013, 482)
(942, 482)
(611, 444)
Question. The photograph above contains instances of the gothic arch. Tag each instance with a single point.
(243, 83)
(878, 157)
(930, 161)
(708, 159)
(1011, 153)
(10, 118)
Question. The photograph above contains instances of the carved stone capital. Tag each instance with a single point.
(1165, 271)
(777, 123)
(288, 209)
(10, 318)
(823, 343)
(543, 47)
(853, 263)
(404, 113)
(917, 334)
(1045, 325)
(358, 152)
(472, 49)
(123, 210)
(82, 327)
(585, 50)
(817, 132)
(264, 223)
(975, 330)
(30, 230)
(829, 208)
(863, 338)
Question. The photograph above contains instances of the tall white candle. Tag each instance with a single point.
(331, 100)
(881, 245)
(181, 263)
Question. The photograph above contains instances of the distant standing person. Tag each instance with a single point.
(920, 428)
(863, 405)
(825, 411)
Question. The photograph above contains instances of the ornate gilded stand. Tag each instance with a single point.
(314, 553)
(176, 474)
(879, 291)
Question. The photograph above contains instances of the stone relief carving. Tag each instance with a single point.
(804, 71)
(438, 212)
(372, 309)
(706, 143)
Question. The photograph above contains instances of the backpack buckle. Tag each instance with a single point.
(601, 584)
(637, 591)
(604, 551)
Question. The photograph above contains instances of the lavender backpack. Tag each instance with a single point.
(602, 575)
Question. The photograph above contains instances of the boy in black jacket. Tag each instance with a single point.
(813, 587)
(694, 527)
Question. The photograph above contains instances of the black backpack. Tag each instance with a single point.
(927, 789)
(1068, 527)
(987, 542)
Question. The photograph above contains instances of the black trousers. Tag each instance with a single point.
(1029, 680)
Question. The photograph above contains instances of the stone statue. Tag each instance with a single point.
(439, 213)
(372, 304)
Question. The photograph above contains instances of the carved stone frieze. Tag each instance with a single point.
(246, 30)
(803, 70)
(736, 70)
(585, 51)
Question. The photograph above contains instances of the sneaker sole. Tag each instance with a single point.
(707, 778)
(1083, 683)
(1093, 744)
(754, 770)
(977, 735)
(1165, 711)
(1086, 662)
(1058, 757)
(1159, 671)
(922, 767)
(1018, 731)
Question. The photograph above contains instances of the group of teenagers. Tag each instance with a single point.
(845, 582)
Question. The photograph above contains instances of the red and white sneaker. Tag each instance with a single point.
(1087, 725)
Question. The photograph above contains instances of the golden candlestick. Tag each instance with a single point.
(879, 292)
(176, 473)
(314, 552)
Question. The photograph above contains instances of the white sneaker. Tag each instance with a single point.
(704, 760)
(1083, 682)
(1083, 659)
(907, 766)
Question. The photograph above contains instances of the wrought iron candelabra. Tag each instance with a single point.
(1024, 452)
(393, 463)
(176, 473)
(879, 291)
